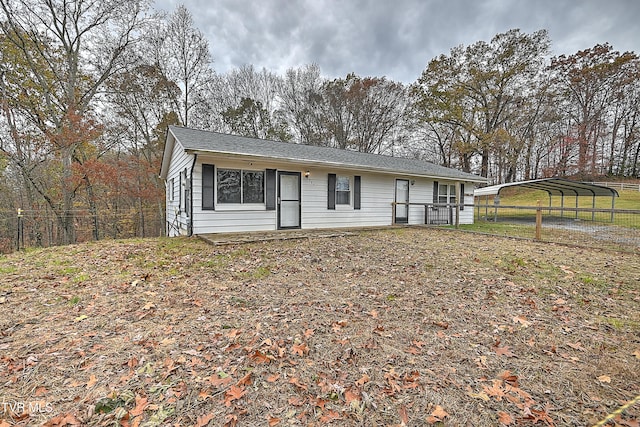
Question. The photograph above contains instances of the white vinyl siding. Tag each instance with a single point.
(177, 220)
(376, 196)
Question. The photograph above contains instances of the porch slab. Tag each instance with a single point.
(218, 239)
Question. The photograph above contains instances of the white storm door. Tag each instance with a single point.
(402, 196)
(288, 200)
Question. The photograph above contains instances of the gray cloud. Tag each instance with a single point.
(394, 39)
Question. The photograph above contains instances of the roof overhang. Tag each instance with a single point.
(553, 186)
(166, 154)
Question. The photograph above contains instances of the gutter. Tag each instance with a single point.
(190, 224)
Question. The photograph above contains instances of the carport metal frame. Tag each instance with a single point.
(557, 187)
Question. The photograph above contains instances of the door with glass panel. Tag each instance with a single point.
(402, 197)
(289, 200)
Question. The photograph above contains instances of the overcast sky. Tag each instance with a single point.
(394, 38)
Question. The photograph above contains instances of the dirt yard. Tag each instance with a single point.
(401, 327)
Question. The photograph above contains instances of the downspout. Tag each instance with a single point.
(190, 226)
(166, 221)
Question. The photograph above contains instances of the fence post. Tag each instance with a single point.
(393, 213)
(20, 229)
(539, 221)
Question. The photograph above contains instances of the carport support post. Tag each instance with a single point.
(539, 221)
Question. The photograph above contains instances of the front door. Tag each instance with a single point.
(288, 200)
(402, 196)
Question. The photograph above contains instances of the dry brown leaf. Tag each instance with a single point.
(141, 405)
(92, 381)
(509, 378)
(482, 395)
(505, 418)
(296, 401)
(350, 396)
(3, 423)
(576, 346)
(273, 421)
(300, 349)
(522, 320)
(246, 380)
(329, 416)
(637, 353)
(495, 390)
(604, 379)
(234, 393)
(363, 380)
(63, 421)
(439, 412)
(404, 417)
(203, 420)
(504, 351)
(296, 382)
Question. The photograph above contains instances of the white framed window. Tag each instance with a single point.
(343, 190)
(447, 194)
(240, 186)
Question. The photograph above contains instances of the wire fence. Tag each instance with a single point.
(41, 228)
(617, 229)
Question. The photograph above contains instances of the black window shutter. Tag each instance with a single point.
(461, 197)
(356, 192)
(208, 187)
(271, 190)
(435, 192)
(331, 192)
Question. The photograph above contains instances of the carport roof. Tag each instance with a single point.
(553, 186)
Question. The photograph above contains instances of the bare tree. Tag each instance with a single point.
(182, 53)
(70, 49)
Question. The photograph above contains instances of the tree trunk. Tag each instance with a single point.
(67, 216)
(93, 209)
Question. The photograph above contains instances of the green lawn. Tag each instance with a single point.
(629, 199)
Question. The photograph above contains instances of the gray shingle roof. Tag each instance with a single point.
(213, 142)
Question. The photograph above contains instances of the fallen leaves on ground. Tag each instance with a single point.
(393, 327)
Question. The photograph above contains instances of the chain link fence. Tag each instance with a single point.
(617, 229)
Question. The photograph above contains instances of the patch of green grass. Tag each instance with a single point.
(82, 277)
(619, 324)
(74, 301)
(240, 253)
(398, 231)
(257, 274)
(216, 262)
(586, 279)
(500, 228)
(8, 269)
(68, 271)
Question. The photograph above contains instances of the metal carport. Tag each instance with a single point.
(555, 187)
